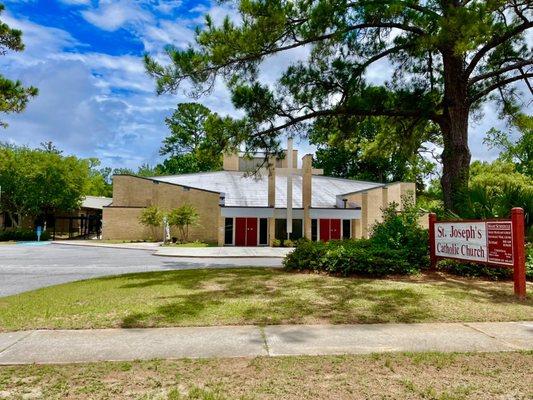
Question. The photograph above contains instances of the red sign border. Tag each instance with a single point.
(518, 246)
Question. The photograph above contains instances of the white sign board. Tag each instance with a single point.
(463, 240)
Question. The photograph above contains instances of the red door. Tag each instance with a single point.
(324, 230)
(330, 229)
(251, 231)
(245, 231)
(334, 229)
(240, 231)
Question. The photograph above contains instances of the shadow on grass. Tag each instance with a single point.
(273, 297)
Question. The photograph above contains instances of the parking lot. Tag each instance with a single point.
(27, 267)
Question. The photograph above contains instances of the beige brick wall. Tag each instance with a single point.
(373, 201)
(132, 194)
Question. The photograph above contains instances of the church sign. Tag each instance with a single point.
(492, 242)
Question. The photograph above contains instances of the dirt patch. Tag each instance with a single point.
(387, 376)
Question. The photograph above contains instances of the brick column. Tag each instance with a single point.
(364, 216)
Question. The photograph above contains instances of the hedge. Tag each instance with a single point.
(22, 234)
(352, 257)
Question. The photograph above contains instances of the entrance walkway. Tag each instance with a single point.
(70, 346)
(224, 252)
(188, 252)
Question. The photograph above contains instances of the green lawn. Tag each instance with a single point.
(258, 296)
(384, 376)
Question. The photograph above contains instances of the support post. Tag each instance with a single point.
(432, 257)
(519, 273)
(289, 187)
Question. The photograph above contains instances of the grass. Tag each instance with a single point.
(385, 376)
(258, 296)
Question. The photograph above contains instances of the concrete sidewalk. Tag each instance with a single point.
(223, 252)
(151, 246)
(187, 252)
(71, 346)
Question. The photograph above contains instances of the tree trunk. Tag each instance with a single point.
(454, 126)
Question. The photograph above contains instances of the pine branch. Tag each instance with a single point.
(503, 70)
(496, 41)
(500, 84)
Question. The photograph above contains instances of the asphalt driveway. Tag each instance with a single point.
(28, 267)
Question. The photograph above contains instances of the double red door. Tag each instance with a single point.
(330, 229)
(245, 231)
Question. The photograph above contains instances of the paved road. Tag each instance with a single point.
(24, 268)
(67, 346)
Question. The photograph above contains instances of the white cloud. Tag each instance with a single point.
(155, 37)
(111, 15)
(40, 41)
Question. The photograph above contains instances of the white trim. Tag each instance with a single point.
(281, 213)
(247, 212)
(335, 213)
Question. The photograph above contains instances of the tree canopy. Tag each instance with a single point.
(189, 147)
(519, 151)
(13, 95)
(373, 154)
(38, 182)
(441, 60)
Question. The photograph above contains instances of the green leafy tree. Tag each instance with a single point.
(448, 58)
(182, 218)
(495, 188)
(99, 179)
(35, 182)
(370, 155)
(520, 151)
(152, 217)
(13, 96)
(188, 146)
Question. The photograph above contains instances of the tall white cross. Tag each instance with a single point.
(289, 187)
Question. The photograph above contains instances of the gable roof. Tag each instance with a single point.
(252, 191)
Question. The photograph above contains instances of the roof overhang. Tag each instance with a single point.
(257, 212)
(335, 213)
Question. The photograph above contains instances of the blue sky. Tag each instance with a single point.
(95, 99)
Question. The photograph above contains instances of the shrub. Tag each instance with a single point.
(22, 234)
(462, 268)
(348, 257)
(529, 261)
(276, 243)
(307, 255)
(398, 246)
(152, 217)
(471, 270)
(289, 243)
(401, 231)
(183, 217)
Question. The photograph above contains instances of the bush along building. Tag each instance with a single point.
(237, 208)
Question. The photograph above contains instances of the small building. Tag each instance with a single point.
(237, 208)
(84, 222)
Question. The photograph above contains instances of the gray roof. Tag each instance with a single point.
(96, 202)
(250, 191)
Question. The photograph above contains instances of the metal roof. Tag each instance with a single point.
(96, 202)
(252, 191)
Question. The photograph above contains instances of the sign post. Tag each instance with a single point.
(492, 242)
(519, 274)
